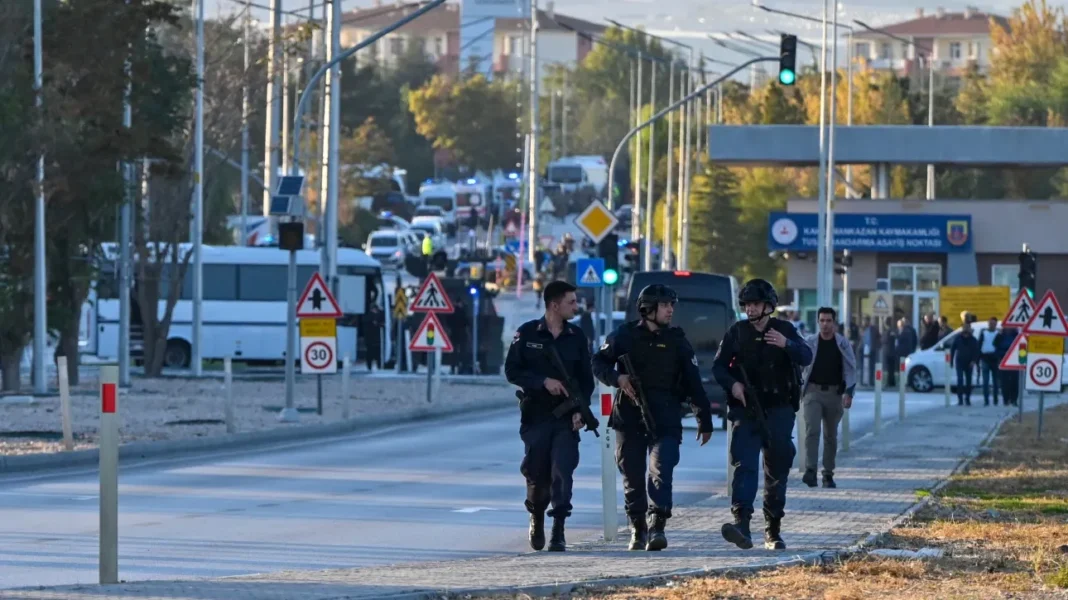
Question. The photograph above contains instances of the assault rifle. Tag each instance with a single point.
(643, 404)
(753, 407)
(574, 398)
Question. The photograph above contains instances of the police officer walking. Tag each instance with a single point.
(758, 363)
(551, 443)
(666, 369)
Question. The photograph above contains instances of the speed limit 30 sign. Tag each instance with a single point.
(1043, 372)
(318, 346)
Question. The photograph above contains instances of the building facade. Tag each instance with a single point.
(953, 40)
(912, 248)
(439, 35)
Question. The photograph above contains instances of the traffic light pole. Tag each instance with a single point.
(682, 102)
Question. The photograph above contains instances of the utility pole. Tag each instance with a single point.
(665, 256)
(40, 280)
(563, 125)
(332, 130)
(198, 202)
(636, 211)
(271, 160)
(532, 173)
(124, 237)
(244, 125)
(687, 111)
(831, 170)
(823, 295)
(647, 263)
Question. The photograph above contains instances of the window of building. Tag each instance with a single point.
(885, 51)
(515, 45)
(420, 45)
(439, 47)
(905, 49)
(915, 289)
(396, 46)
(954, 50)
(862, 49)
(1007, 275)
(973, 50)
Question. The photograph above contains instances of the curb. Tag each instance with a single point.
(238, 441)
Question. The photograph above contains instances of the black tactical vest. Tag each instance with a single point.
(655, 357)
(771, 372)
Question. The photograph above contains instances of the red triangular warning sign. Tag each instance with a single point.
(317, 301)
(1016, 358)
(1020, 312)
(431, 297)
(430, 336)
(1048, 318)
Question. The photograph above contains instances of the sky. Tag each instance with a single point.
(690, 21)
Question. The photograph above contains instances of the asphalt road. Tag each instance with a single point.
(446, 490)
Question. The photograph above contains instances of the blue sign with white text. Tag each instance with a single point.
(873, 233)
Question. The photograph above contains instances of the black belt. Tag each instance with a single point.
(824, 387)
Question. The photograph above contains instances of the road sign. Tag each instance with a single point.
(596, 221)
(318, 355)
(882, 304)
(400, 304)
(590, 272)
(546, 241)
(1048, 318)
(318, 327)
(511, 229)
(1016, 358)
(431, 297)
(984, 301)
(547, 206)
(1020, 312)
(317, 301)
(430, 336)
(1043, 372)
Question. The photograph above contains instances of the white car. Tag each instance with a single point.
(926, 369)
(390, 246)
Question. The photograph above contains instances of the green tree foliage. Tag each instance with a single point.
(472, 118)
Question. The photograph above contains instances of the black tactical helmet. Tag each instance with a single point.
(758, 290)
(652, 295)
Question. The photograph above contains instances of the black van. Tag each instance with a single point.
(705, 311)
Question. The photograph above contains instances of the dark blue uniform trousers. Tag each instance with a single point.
(551, 456)
(745, 449)
(631, 451)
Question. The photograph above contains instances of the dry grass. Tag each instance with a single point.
(1002, 526)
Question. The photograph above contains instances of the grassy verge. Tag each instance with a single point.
(1001, 528)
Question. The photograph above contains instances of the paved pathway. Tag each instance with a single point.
(878, 481)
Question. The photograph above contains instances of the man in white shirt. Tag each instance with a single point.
(989, 360)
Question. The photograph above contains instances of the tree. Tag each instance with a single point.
(473, 118)
(715, 235)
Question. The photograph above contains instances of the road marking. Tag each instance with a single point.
(58, 496)
(473, 509)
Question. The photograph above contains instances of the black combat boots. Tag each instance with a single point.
(772, 539)
(657, 539)
(557, 543)
(737, 532)
(537, 530)
(809, 478)
(828, 480)
(639, 532)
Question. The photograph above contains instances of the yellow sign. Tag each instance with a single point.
(1045, 344)
(983, 301)
(596, 221)
(318, 328)
(400, 304)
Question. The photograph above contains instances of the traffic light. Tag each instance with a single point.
(633, 255)
(1028, 271)
(788, 59)
(608, 249)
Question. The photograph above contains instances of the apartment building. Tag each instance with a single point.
(953, 40)
(438, 35)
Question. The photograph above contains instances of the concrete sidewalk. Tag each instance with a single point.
(878, 482)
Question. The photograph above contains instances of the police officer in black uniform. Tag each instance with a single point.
(667, 369)
(551, 444)
(768, 353)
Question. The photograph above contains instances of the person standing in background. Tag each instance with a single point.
(889, 352)
(964, 355)
(989, 360)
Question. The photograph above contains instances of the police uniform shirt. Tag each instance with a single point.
(668, 372)
(528, 365)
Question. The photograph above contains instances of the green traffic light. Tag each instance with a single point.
(610, 276)
(787, 77)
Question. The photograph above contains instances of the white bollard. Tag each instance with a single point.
(407, 343)
(228, 382)
(64, 403)
(878, 399)
(109, 474)
(902, 383)
(345, 368)
(802, 428)
(608, 465)
(949, 370)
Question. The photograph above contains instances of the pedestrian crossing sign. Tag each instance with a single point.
(431, 297)
(1020, 312)
(590, 272)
